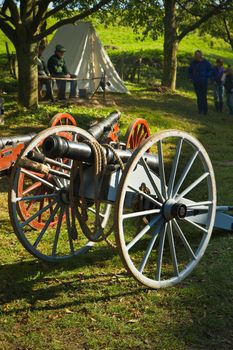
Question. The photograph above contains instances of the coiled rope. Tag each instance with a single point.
(96, 234)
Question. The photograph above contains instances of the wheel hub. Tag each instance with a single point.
(173, 210)
(64, 196)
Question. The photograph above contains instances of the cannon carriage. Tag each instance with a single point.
(156, 193)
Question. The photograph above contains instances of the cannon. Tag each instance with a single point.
(32, 190)
(14, 146)
(156, 193)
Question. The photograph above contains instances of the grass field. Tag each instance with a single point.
(89, 302)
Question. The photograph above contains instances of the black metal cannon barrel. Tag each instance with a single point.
(105, 125)
(56, 146)
(13, 140)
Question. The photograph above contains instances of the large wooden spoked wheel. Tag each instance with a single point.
(58, 235)
(136, 133)
(62, 119)
(24, 208)
(163, 237)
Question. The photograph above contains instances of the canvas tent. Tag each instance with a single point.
(86, 57)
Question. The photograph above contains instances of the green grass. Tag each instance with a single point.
(89, 302)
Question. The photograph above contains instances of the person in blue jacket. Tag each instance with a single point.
(199, 73)
(229, 89)
(216, 77)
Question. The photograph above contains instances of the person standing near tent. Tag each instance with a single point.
(216, 78)
(57, 68)
(199, 72)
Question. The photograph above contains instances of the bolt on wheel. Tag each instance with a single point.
(164, 217)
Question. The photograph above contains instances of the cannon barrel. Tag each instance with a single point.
(105, 125)
(56, 146)
(13, 140)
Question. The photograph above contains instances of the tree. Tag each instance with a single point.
(220, 27)
(25, 24)
(174, 19)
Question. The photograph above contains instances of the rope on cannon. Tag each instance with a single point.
(100, 168)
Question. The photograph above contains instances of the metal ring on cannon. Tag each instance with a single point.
(164, 219)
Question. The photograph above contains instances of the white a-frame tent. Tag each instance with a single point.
(86, 57)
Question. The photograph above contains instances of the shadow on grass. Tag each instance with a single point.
(32, 281)
(199, 310)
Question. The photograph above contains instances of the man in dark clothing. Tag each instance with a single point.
(216, 78)
(57, 68)
(229, 89)
(199, 73)
(43, 75)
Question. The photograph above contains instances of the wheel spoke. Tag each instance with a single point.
(37, 214)
(48, 222)
(58, 181)
(174, 168)
(153, 222)
(41, 207)
(30, 205)
(94, 211)
(132, 140)
(58, 164)
(135, 135)
(35, 177)
(69, 231)
(32, 188)
(184, 239)
(160, 252)
(139, 134)
(58, 230)
(149, 248)
(148, 173)
(141, 213)
(59, 174)
(192, 186)
(145, 195)
(161, 169)
(172, 248)
(199, 204)
(143, 136)
(37, 149)
(67, 179)
(36, 197)
(185, 173)
(196, 225)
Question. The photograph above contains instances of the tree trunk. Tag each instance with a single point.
(170, 45)
(27, 72)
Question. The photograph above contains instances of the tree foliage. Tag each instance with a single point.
(147, 17)
(34, 14)
(220, 27)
